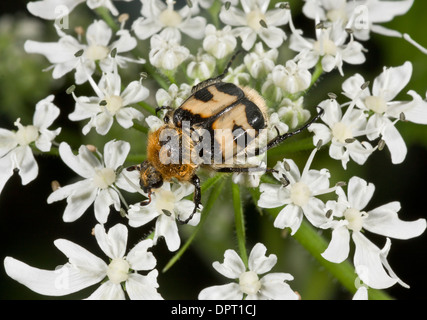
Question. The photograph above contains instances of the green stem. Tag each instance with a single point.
(240, 222)
(315, 244)
(105, 14)
(140, 128)
(205, 212)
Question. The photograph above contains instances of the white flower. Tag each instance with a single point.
(68, 53)
(56, 9)
(255, 20)
(167, 54)
(348, 217)
(260, 62)
(174, 97)
(167, 205)
(15, 150)
(385, 88)
(342, 130)
(291, 78)
(249, 286)
(293, 112)
(98, 185)
(361, 16)
(84, 269)
(219, 43)
(330, 45)
(201, 66)
(111, 102)
(158, 16)
(299, 196)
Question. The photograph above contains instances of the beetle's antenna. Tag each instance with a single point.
(233, 57)
(217, 79)
(283, 137)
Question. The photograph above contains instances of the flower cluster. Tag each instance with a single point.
(176, 46)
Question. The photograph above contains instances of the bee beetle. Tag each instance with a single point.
(240, 113)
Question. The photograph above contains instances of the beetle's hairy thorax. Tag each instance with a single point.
(159, 150)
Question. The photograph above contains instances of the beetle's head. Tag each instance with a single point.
(149, 178)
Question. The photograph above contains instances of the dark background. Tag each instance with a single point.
(28, 225)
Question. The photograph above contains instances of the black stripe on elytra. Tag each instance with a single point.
(254, 116)
(181, 115)
(230, 88)
(203, 95)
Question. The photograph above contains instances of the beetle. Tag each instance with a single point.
(213, 105)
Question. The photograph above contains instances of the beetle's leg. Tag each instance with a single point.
(284, 180)
(279, 139)
(133, 168)
(196, 198)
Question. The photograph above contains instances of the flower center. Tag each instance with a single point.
(118, 271)
(376, 104)
(253, 19)
(114, 104)
(325, 46)
(249, 282)
(341, 132)
(26, 134)
(104, 177)
(96, 52)
(165, 200)
(300, 193)
(355, 219)
(169, 17)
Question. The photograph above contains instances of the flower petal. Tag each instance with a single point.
(385, 221)
(139, 258)
(273, 286)
(114, 242)
(166, 227)
(23, 159)
(139, 216)
(59, 282)
(395, 144)
(369, 267)
(232, 267)
(108, 291)
(339, 247)
(290, 217)
(141, 287)
(229, 291)
(391, 81)
(359, 192)
(52, 9)
(79, 201)
(259, 262)
(115, 153)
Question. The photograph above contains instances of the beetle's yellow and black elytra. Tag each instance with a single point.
(240, 113)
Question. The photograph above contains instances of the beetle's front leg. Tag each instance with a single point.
(195, 180)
